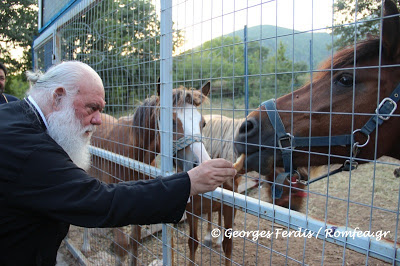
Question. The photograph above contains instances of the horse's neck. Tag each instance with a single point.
(145, 144)
(387, 143)
(221, 130)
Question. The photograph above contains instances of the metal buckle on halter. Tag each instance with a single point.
(387, 116)
(357, 144)
(288, 138)
(290, 180)
(350, 165)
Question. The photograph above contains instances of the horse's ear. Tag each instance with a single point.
(206, 88)
(158, 87)
(391, 30)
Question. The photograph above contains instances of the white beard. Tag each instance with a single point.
(68, 132)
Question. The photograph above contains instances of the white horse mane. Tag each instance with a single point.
(218, 136)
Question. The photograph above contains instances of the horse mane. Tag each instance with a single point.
(344, 58)
(183, 95)
(146, 115)
(218, 136)
(146, 112)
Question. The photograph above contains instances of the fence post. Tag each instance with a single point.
(246, 73)
(166, 108)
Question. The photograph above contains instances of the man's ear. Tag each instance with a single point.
(58, 95)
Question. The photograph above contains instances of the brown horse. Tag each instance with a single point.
(137, 137)
(349, 110)
(215, 134)
(218, 135)
(99, 140)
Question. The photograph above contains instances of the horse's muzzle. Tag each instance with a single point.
(257, 143)
(186, 159)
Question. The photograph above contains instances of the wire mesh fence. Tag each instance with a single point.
(329, 78)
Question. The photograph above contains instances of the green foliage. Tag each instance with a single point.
(219, 58)
(354, 21)
(285, 73)
(17, 85)
(120, 39)
(18, 25)
(222, 61)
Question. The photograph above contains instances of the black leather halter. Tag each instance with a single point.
(288, 142)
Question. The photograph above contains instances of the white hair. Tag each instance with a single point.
(66, 75)
(68, 132)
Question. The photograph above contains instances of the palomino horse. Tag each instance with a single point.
(218, 135)
(347, 113)
(137, 137)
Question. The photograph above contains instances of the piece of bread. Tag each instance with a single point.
(238, 165)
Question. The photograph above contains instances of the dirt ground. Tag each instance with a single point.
(367, 198)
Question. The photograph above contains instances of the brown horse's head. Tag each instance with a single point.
(342, 97)
(187, 125)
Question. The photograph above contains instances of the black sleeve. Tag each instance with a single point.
(50, 184)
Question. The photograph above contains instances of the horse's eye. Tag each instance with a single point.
(204, 124)
(345, 80)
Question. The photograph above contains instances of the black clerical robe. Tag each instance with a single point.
(6, 98)
(42, 192)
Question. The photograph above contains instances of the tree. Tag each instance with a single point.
(222, 60)
(354, 20)
(121, 40)
(18, 28)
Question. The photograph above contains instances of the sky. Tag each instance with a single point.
(203, 20)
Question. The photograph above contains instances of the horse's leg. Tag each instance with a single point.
(172, 247)
(193, 240)
(121, 244)
(227, 244)
(221, 236)
(136, 236)
(86, 242)
(208, 239)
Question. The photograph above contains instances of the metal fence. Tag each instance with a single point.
(250, 53)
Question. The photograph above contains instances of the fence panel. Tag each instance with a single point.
(247, 52)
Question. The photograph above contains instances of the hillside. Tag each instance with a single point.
(301, 40)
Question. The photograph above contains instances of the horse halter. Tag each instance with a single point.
(185, 141)
(288, 142)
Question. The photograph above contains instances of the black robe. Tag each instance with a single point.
(42, 192)
(6, 98)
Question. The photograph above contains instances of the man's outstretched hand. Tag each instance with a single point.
(209, 175)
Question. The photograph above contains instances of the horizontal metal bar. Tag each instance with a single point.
(127, 162)
(380, 249)
(76, 252)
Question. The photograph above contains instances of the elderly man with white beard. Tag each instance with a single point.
(43, 183)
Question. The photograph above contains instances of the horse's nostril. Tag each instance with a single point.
(248, 127)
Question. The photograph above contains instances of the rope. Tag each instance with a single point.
(185, 141)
